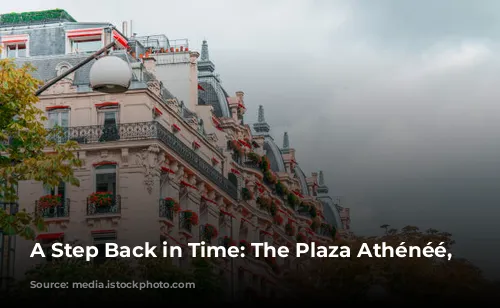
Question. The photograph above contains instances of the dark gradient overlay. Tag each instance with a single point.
(327, 281)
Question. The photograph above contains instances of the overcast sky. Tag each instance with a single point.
(396, 101)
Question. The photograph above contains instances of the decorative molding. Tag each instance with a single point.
(155, 87)
(151, 160)
(125, 156)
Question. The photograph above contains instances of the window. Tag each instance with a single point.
(100, 239)
(58, 118)
(47, 246)
(109, 118)
(58, 190)
(105, 179)
(16, 50)
(85, 44)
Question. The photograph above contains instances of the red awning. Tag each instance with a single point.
(50, 236)
(102, 231)
(107, 104)
(49, 108)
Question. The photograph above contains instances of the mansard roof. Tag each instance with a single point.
(212, 92)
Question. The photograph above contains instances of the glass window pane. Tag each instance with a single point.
(61, 190)
(86, 46)
(106, 182)
(53, 119)
(11, 51)
(21, 51)
(110, 118)
(64, 119)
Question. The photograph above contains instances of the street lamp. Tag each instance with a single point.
(108, 74)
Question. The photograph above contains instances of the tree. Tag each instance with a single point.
(24, 144)
(401, 278)
(385, 227)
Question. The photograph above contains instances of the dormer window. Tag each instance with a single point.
(14, 46)
(84, 40)
(16, 50)
(86, 45)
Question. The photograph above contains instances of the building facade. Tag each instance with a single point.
(169, 160)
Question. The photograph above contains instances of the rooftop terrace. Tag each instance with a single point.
(36, 17)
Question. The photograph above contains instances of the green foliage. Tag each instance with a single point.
(246, 194)
(280, 189)
(292, 200)
(38, 16)
(25, 145)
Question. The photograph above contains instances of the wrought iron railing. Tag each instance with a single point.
(142, 131)
(204, 236)
(166, 211)
(59, 211)
(251, 164)
(304, 211)
(185, 223)
(114, 207)
(9, 207)
(325, 231)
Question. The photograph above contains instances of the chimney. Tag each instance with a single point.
(124, 29)
(131, 30)
(240, 95)
(149, 64)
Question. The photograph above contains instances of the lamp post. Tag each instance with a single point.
(108, 74)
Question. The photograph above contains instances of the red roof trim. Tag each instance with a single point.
(158, 111)
(107, 104)
(208, 200)
(102, 231)
(165, 169)
(103, 163)
(188, 185)
(120, 39)
(50, 236)
(227, 213)
(49, 108)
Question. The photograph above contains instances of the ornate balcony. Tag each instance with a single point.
(251, 164)
(9, 207)
(113, 207)
(60, 210)
(166, 211)
(144, 131)
(204, 236)
(184, 222)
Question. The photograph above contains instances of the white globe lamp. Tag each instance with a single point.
(110, 74)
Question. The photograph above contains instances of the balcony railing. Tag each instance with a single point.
(251, 164)
(9, 207)
(324, 231)
(59, 211)
(184, 223)
(165, 210)
(113, 208)
(142, 131)
(204, 236)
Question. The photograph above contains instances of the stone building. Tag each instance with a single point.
(173, 147)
